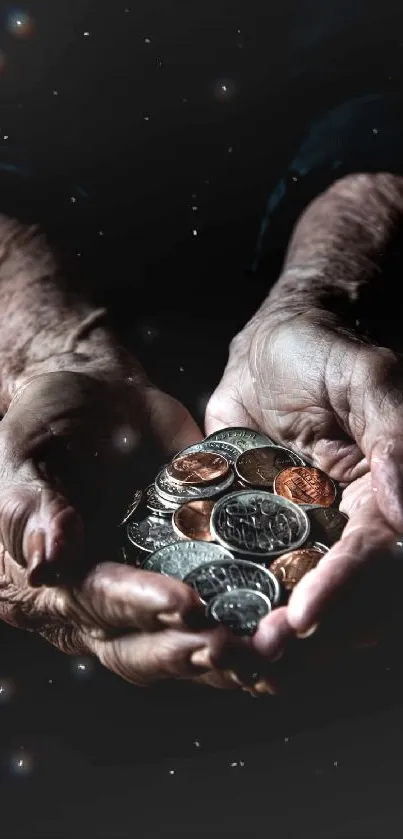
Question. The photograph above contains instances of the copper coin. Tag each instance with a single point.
(198, 468)
(192, 521)
(259, 467)
(290, 568)
(327, 525)
(305, 485)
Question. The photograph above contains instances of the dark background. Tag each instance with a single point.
(170, 117)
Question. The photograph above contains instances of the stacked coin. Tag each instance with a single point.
(237, 517)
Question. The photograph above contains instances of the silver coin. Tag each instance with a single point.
(157, 505)
(240, 610)
(242, 438)
(180, 495)
(151, 534)
(214, 578)
(256, 523)
(229, 451)
(136, 501)
(179, 559)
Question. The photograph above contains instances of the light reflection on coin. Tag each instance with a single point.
(241, 438)
(291, 567)
(259, 467)
(256, 523)
(151, 534)
(138, 495)
(180, 558)
(215, 578)
(199, 468)
(305, 485)
(240, 610)
(183, 494)
(192, 520)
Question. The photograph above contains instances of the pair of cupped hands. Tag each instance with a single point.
(74, 446)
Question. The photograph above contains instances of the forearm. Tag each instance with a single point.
(339, 244)
(45, 324)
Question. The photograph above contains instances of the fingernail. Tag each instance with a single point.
(201, 658)
(308, 632)
(276, 657)
(171, 619)
(264, 687)
(36, 550)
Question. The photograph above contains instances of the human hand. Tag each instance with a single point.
(73, 447)
(314, 386)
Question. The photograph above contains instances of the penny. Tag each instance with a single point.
(181, 494)
(202, 467)
(136, 500)
(291, 567)
(157, 505)
(150, 534)
(180, 558)
(327, 524)
(305, 485)
(259, 467)
(240, 610)
(241, 438)
(192, 521)
(256, 523)
(214, 578)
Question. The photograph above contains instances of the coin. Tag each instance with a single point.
(214, 578)
(229, 451)
(157, 505)
(327, 524)
(241, 610)
(181, 494)
(241, 438)
(151, 533)
(305, 485)
(198, 468)
(137, 497)
(192, 521)
(180, 558)
(291, 567)
(258, 467)
(256, 523)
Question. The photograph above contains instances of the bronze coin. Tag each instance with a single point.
(259, 467)
(192, 520)
(327, 525)
(290, 568)
(198, 468)
(305, 485)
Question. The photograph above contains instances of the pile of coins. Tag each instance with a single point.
(238, 518)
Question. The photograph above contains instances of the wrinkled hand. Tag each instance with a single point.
(73, 448)
(311, 385)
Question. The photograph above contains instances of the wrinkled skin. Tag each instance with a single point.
(73, 447)
(313, 386)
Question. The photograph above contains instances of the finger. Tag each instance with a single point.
(114, 597)
(377, 421)
(171, 423)
(146, 658)
(38, 527)
(273, 635)
(366, 538)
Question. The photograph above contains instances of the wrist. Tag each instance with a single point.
(84, 345)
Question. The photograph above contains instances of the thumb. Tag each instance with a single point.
(171, 423)
(380, 433)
